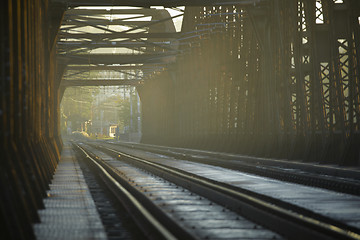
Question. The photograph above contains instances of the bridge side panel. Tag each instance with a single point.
(280, 79)
(29, 139)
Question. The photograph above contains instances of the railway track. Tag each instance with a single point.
(173, 206)
(249, 213)
(346, 180)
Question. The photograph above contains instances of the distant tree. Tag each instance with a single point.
(81, 104)
(122, 106)
(124, 112)
(76, 107)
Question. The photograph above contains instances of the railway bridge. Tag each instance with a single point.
(266, 79)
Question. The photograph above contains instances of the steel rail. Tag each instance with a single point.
(268, 214)
(342, 172)
(271, 168)
(159, 227)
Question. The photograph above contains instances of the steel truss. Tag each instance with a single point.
(278, 80)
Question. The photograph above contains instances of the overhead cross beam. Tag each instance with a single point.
(92, 12)
(148, 3)
(108, 67)
(103, 22)
(110, 44)
(100, 82)
(154, 42)
(116, 58)
(103, 36)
